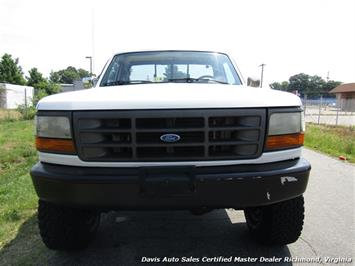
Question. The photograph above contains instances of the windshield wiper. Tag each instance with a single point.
(188, 80)
(197, 80)
(183, 79)
(113, 83)
(125, 82)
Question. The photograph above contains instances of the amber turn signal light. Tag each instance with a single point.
(286, 141)
(55, 145)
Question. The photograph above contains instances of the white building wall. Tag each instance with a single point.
(15, 95)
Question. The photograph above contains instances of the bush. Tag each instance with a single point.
(28, 112)
(39, 94)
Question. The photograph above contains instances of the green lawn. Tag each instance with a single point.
(19, 237)
(18, 200)
(20, 243)
(332, 140)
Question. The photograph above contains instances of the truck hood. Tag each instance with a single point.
(168, 96)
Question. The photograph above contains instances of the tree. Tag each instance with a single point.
(83, 73)
(283, 86)
(299, 82)
(306, 84)
(10, 71)
(42, 86)
(54, 77)
(331, 84)
(36, 78)
(172, 72)
(316, 84)
(68, 75)
(52, 88)
(43, 89)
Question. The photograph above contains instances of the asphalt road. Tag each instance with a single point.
(124, 238)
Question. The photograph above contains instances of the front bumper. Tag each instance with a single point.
(236, 186)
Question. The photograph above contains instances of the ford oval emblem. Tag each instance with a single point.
(170, 138)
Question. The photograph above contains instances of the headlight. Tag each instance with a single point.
(286, 130)
(285, 123)
(53, 127)
(53, 134)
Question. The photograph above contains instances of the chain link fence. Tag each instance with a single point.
(326, 109)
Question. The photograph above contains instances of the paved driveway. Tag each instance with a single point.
(125, 237)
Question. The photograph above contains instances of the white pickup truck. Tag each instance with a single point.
(169, 130)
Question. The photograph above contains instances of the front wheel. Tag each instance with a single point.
(277, 224)
(63, 228)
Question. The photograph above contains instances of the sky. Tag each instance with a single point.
(289, 36)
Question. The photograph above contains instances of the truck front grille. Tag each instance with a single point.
(205, 134)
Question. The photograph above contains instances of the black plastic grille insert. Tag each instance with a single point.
(205, 134)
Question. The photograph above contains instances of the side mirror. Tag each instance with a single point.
(94, 81)
(253, 82)
(90, 80)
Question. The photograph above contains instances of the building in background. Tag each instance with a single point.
(77, 85)
(345, 96)
(11, 96)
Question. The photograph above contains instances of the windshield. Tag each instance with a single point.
(170, 66)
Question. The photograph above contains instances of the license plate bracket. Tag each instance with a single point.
(167, 182)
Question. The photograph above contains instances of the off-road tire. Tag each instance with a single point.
(277, 224)
(63, 228)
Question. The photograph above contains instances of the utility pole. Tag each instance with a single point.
(92, 39)
(328, 76)
(262, 74)
(90, 57)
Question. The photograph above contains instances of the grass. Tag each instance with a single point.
(18, 200)
(20, 243)
(332, 140)
(9, 115)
